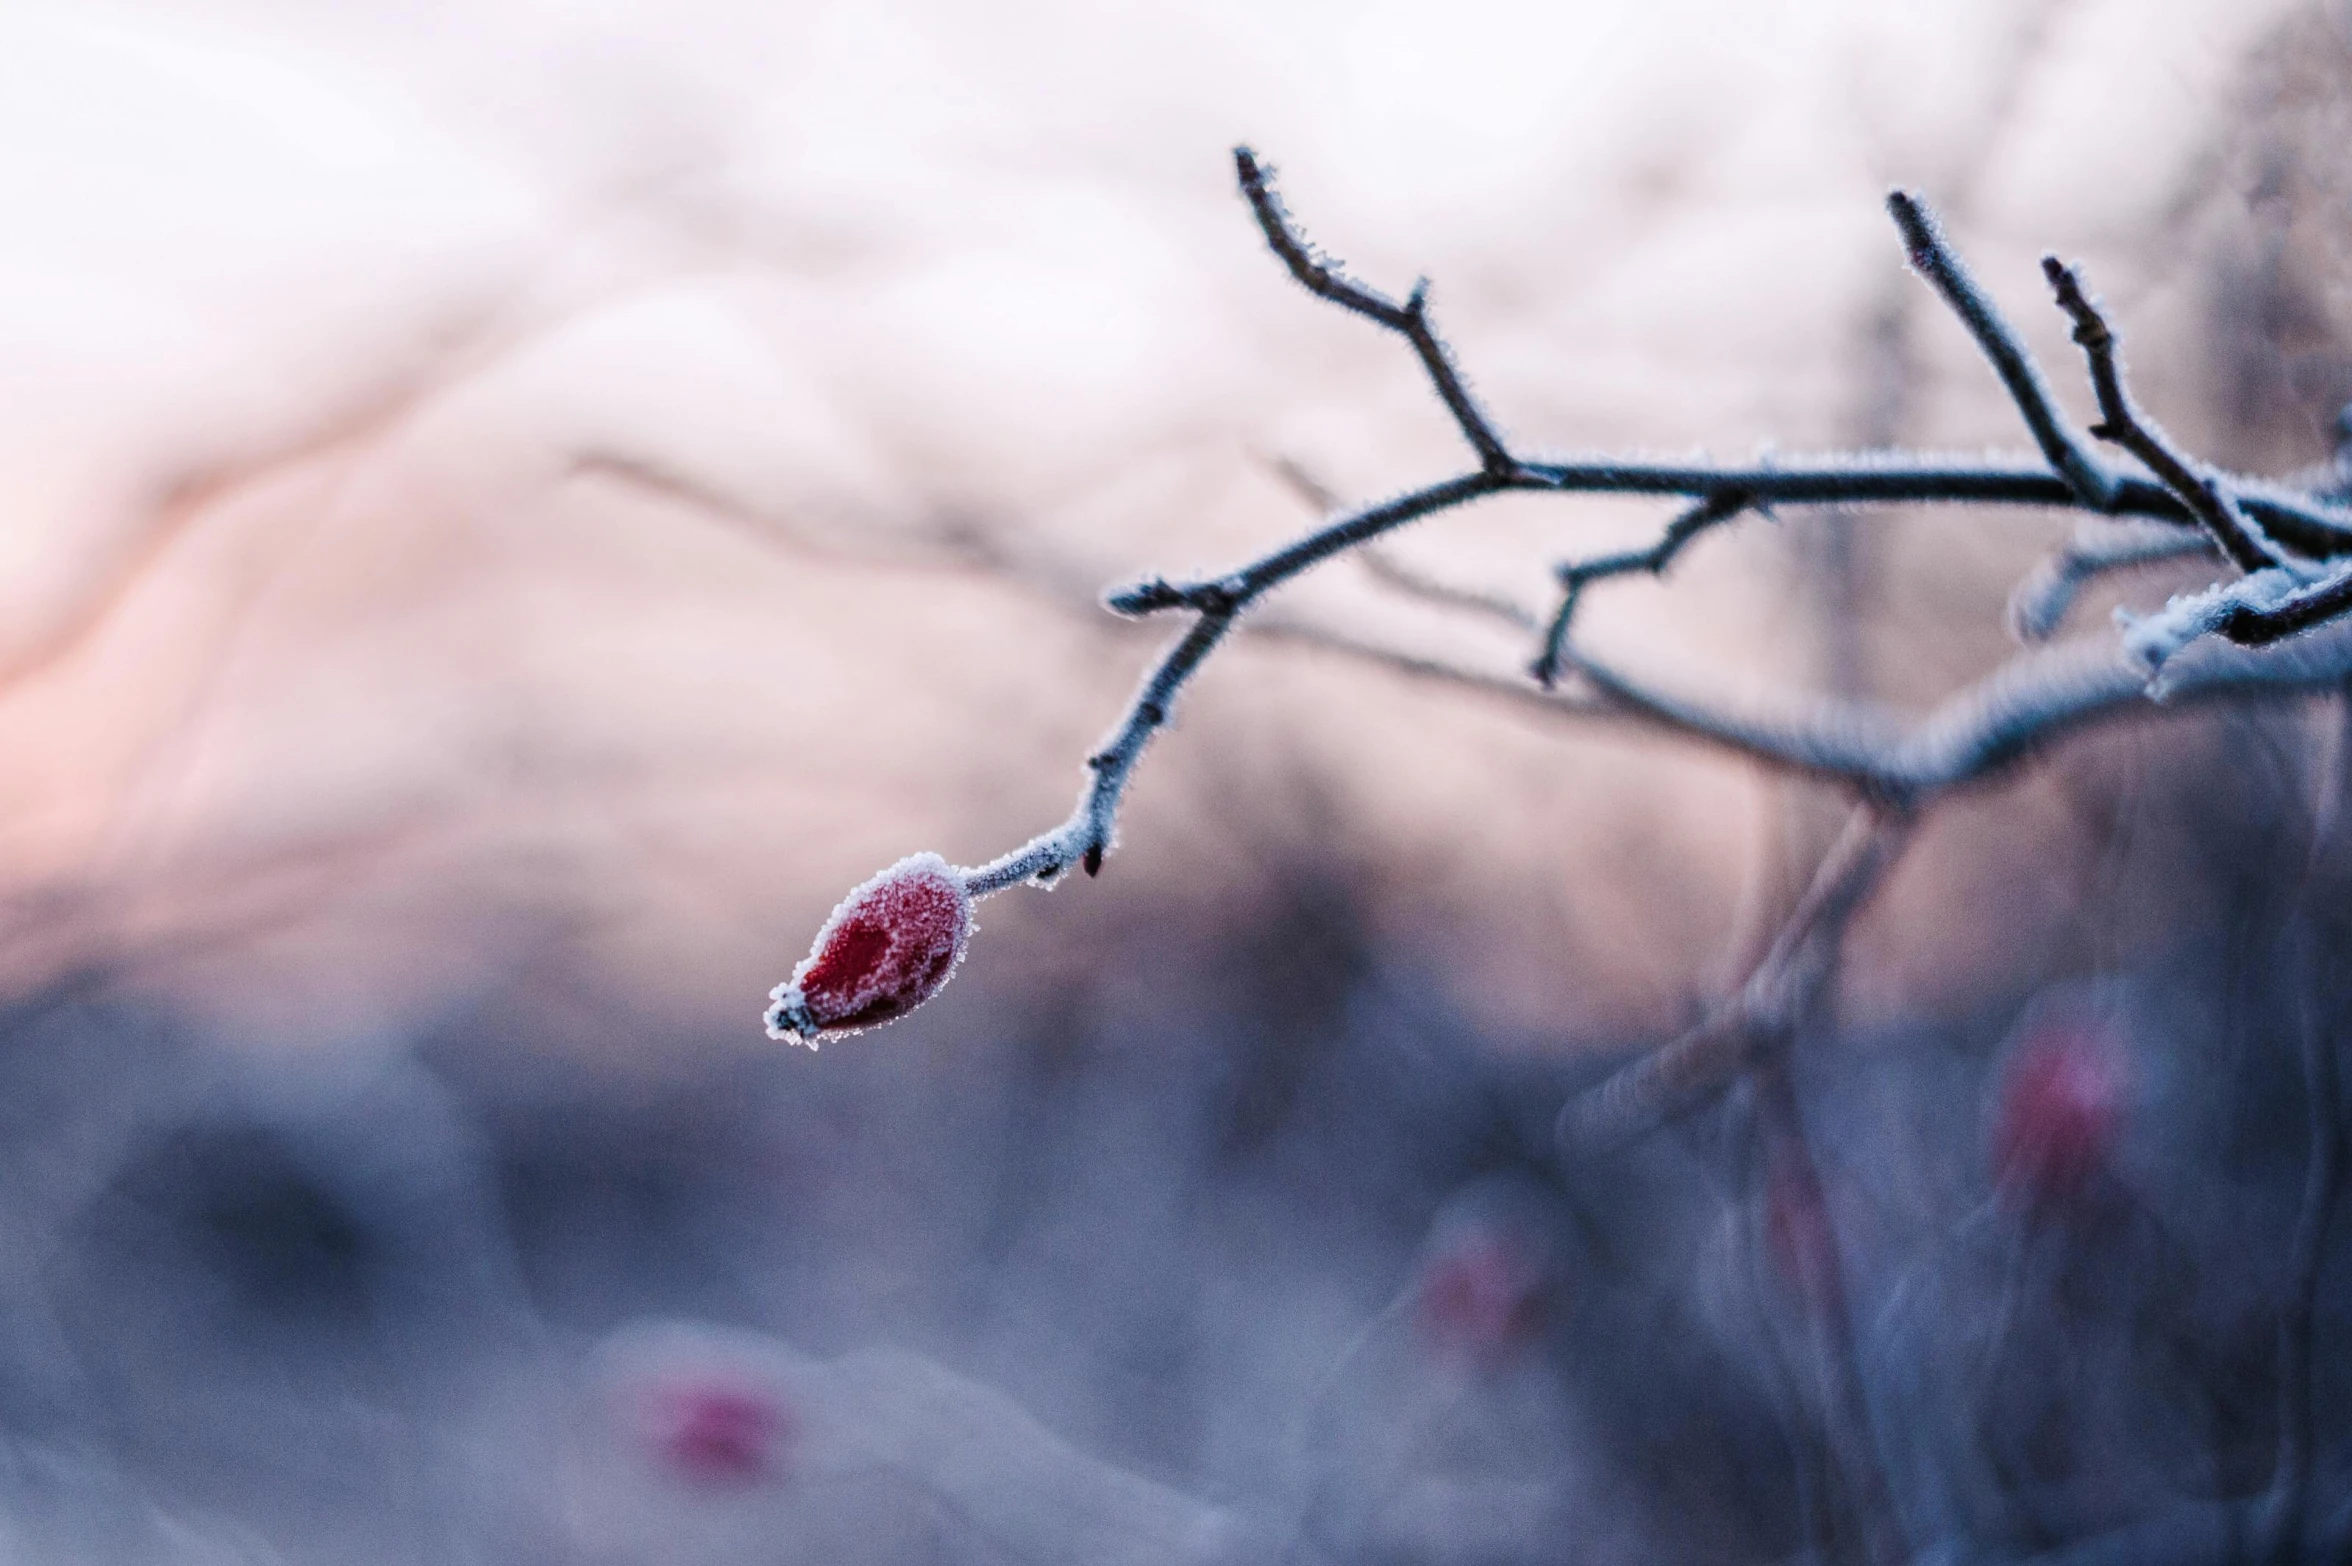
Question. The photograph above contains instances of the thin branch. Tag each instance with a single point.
(2092, 481)
(1856, 478)
(1970, 738)
(2283, 1521)
(2212, 504)
(1391, 572)
(1086, 836)
(1970, 734)
(1322, 275)
(2041, 602)
(1675, 1077)
(1709, 511)
(1227, 594)
(1917, 478)
(2317, 604)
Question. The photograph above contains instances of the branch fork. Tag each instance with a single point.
(2293, 552)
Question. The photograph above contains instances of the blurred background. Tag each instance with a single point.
(510, 509)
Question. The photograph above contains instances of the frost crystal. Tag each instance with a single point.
(2151, 640)
(887, 948)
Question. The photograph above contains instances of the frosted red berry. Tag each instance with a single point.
(715, 1432)
(2059, 1113)
(889, 947)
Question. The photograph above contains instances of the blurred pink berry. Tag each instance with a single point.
(1797, 1233)
(2060, 1112)
(714, 1432)
(887, 948)
(1480, 1298)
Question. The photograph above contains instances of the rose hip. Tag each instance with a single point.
(888, 947)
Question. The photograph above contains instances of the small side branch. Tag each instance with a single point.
(1710, 511)
(2093, 483)
(2213, 506)
(2041, 602)
(1323, 276)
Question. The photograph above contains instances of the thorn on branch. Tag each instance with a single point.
(2215, 509)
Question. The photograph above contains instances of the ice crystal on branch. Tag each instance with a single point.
(889, 947)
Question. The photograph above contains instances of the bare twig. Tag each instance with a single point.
(2092, 481)
(2322, 601)
(1391, 572)
(1972, 737)
(1386, 569)
(1876, 477)
(1086, 837)
(1322, 275)
(1709, 511)
(2041, 602)
(2212, 504)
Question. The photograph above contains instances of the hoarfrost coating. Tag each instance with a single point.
(886, 948)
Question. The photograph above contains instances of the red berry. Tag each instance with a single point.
(716, 1432)
(887, 948)
(1480, 1298)
(2060, 1111)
